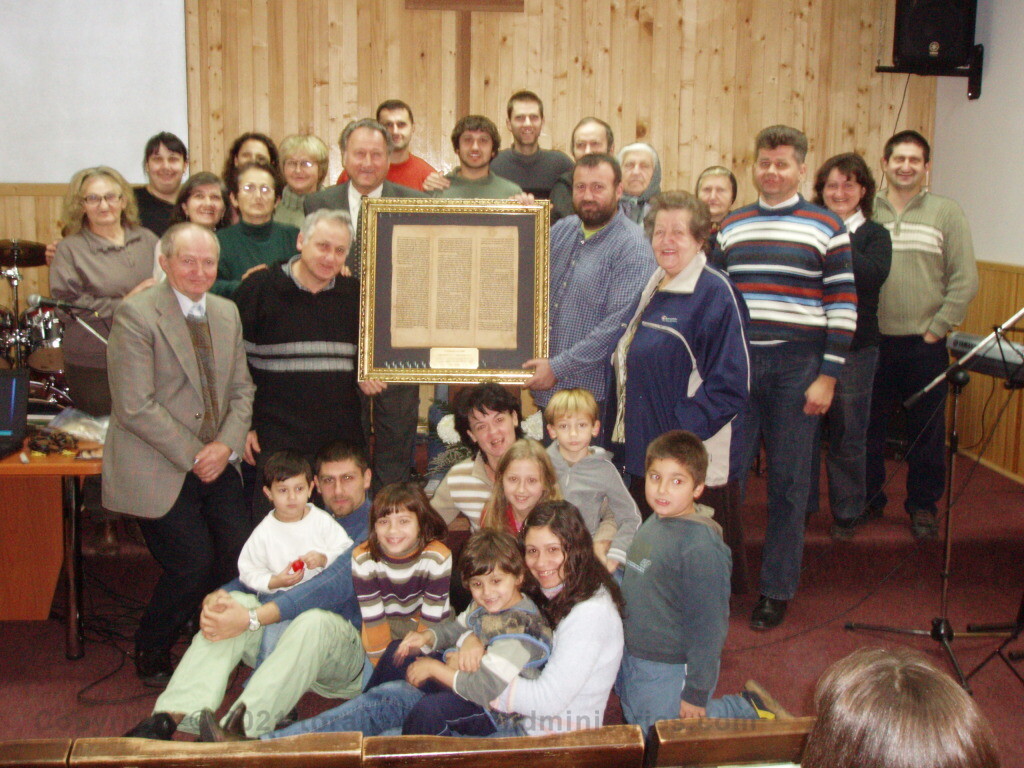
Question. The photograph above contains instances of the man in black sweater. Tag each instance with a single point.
(300, 321)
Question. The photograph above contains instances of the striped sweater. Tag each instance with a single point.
(933, 275)
(465, 489)
(398, 596)
(793, 266)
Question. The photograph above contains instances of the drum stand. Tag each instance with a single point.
(13, 276)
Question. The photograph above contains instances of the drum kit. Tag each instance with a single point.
(32, 339)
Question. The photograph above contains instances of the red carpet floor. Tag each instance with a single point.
(881, 577)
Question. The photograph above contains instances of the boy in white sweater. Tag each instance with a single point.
(297, 540)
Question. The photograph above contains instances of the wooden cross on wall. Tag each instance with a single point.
(464, 54)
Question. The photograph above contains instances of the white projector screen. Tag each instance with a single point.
(86, 83)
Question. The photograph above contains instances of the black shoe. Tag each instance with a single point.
(290, 719)
(232, 730)
(768, 613)
(844, 530)
(873, 512)
(153, 667)
(923, 525)
(159, 725)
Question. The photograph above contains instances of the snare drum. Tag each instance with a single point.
(44, 332)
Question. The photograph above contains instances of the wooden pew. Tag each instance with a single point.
(613, 746)
(315, 750)
(712, 741)
(34, 752)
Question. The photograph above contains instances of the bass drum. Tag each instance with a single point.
(44, 332)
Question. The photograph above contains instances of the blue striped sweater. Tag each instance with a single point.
(793, 266)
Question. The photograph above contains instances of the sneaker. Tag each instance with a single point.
(768, 704)
(923, 525)
(763, 713)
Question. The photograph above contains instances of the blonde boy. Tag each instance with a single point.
(587, 476)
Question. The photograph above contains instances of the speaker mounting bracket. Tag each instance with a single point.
(972, 71)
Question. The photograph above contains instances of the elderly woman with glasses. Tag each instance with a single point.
(256, 241)
(304, 165)
(105, 256)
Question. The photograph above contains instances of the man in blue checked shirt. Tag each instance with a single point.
(600, 261)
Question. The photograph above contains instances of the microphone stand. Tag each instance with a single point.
(941, 630)
(85, 325)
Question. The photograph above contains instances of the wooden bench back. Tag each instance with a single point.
(613, 746)
(712, 741)
(315, 750)
(34, 752)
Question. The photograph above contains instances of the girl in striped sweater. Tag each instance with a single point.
(401, 573)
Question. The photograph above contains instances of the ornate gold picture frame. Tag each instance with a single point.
(453, 291)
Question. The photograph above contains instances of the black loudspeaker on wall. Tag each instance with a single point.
(934, 36)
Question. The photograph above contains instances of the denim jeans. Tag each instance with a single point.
(906, 364)
(780, 375)
(379, 711)
(845, 432)
(448, 714)
(649, 691)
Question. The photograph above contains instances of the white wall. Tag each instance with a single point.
(85, 83)
(978, 151)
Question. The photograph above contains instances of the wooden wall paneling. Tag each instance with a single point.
(29, 212)
(260, 67)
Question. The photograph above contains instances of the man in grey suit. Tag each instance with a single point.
(182, 404)
(390, 413)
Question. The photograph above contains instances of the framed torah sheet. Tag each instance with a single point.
(453, 291)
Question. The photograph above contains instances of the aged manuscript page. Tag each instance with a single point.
(454, 286)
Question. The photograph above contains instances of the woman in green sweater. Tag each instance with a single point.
(257, 240)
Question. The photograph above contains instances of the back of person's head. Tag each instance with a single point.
(894, 709)
(407, 497)
(775, 136)
(339, 450)
(908, 137)
(285, 465)
(571, 402)
(483, 398)
(682, 447)
(489, 549)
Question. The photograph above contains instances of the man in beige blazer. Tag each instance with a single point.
(182, 404)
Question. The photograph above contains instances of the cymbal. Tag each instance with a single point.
(22, 253)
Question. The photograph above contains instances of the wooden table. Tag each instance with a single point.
(40, 536)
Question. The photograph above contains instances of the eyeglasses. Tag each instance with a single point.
(257, 189)
(294, 165)
(93, 200)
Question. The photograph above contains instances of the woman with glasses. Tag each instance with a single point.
(105, 256)
(304, 165)
(256, 241)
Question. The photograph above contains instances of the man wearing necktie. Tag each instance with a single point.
(390, 413)
(182, 404)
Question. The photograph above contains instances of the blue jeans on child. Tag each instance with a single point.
(650, 690)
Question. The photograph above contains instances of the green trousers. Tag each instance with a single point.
(319, 651)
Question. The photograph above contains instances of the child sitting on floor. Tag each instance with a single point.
(515, 633)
